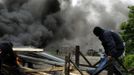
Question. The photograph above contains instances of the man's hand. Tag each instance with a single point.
(109, 57)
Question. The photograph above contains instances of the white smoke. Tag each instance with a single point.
(84, 15)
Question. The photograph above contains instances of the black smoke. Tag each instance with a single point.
(22, 27)
(42, 23)
(53, 5)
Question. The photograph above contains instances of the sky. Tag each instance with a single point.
(130, 2)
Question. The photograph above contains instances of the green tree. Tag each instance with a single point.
(128, 31)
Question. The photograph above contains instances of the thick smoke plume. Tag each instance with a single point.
(84, 15)
(58, 23)
(21, 24)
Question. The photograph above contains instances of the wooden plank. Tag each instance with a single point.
(85, 58)
(84, 65)
(76, 67)
(29, 49)
(77, 55)
(96, 64)
(67, 65)
(49, 69)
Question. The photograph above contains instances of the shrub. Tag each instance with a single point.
(129, 61)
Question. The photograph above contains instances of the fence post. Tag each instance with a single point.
(77, 55)
(67, 64)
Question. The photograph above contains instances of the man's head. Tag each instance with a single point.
(98, 31)
(5, 47)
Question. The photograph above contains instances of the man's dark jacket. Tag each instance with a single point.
(112, 43)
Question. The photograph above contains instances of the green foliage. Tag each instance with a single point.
(129, 61)
(127, 32)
